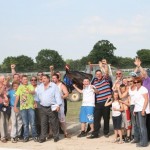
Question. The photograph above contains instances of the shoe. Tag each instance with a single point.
(106, 135)
(26, 139)
(128, 139)
(4, 140)
(82, 134)
(14, 140)
(92, 136)
(20, 139)
(56, 139)
(35, 139)
(133, 141)
(42, 140)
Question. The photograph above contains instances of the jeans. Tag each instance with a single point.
(142, 130)
(28, 117)
(16, 123)
(134, 125)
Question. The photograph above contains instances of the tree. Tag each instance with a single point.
(7, 62)
(23, 63)
(102, 49)
(48, 57)
(144, 55)
(74, 64)
(124, 63)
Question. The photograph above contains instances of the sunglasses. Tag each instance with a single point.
(130, 81)
(136, 82)
(33, 80)
(118, 73)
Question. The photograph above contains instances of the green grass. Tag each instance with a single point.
(73, 111)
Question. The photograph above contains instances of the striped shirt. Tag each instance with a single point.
(103, 86)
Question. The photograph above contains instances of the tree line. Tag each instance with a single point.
(46, 57)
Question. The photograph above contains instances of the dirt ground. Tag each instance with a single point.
(72, 144)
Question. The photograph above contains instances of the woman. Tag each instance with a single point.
(141, 109)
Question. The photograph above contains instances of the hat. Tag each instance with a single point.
(133, 74)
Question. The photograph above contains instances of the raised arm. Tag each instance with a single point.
(51, 70)
(13, 71)
(80, 91)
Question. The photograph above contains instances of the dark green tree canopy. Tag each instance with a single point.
(144, 55)
(102, 49)
(23, 63)
(48, 57)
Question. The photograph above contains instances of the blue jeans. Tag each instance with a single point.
(134, 125)
(28, 116)
(142, 130)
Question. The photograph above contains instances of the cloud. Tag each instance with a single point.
(95, 25)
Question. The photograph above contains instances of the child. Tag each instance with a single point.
(87, 108)
(126, 121)
(16, 119)
(117, 108)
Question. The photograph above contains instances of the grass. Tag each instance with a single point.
(73, 111)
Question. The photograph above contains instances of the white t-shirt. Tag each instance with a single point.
(139, 100)
(115, 105)
(132, 95)
(88, 96)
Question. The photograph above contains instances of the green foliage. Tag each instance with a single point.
(102, 49)
(124, 63)
(144, 55)
(23, 63)
(48, 57)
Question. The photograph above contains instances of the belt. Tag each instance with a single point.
(46, 106)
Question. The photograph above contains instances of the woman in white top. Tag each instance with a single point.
(117, 108)
(141, 109)
(132, 91)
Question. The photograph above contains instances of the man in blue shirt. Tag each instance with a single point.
(48, 95)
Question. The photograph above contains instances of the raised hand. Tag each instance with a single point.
(13, 66)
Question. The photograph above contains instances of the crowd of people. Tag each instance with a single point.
(41, 104)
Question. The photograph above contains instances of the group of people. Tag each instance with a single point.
(128, 98)
(37, 103)
(40, 103)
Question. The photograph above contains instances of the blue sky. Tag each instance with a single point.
(72, 27)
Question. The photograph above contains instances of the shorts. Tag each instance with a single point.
(126, 121)
(117, 122)
(86, 114)
(61, 114)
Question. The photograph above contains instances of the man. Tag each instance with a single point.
(39, 77)
(64, 94)
(25, 94)
(48, 95)
(104, 92)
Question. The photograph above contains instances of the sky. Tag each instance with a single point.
(72, 27)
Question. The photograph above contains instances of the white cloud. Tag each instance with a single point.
(97, 25)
